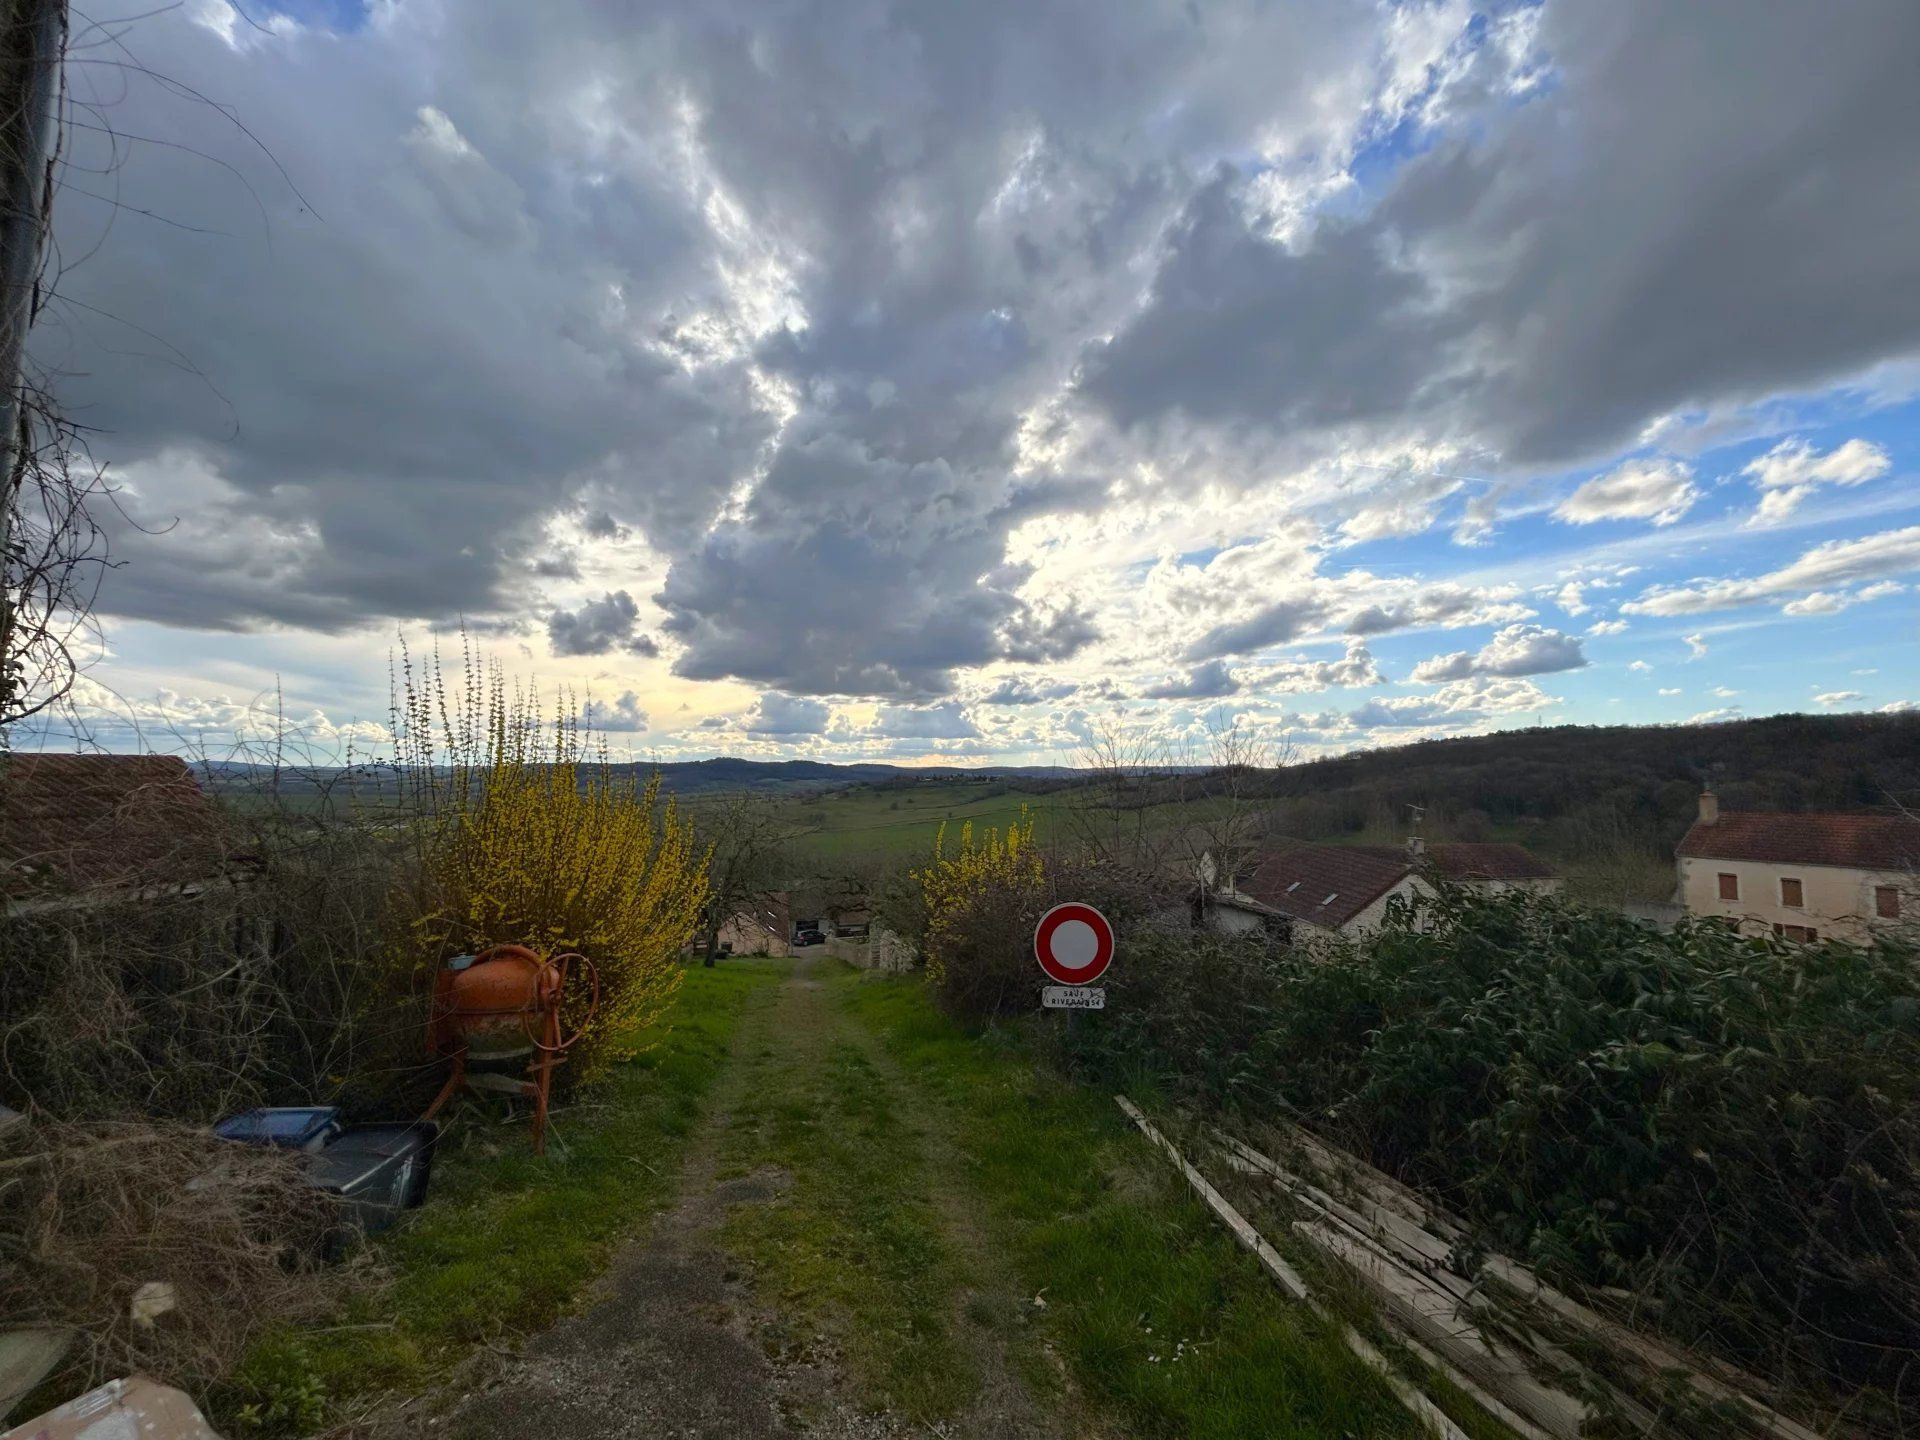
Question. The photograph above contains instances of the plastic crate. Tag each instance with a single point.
(377, 1171)
(297, 1127)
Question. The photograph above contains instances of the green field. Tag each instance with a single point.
(865, 822)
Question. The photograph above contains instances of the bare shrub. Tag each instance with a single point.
(256, 987)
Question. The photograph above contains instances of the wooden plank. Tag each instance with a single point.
(1433, 1314)
(1408, 1220)
(1649, 1352)
(1420, 1247)
(1492, 1404)
(1288, 1277)
(1432, 1416)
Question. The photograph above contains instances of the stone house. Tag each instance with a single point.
(1801, 875)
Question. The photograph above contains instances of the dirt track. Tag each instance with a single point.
(684, 1336)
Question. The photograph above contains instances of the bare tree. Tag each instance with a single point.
(749, 837)
(1227, 789)
(1114, 822)
(1173, 816)
(32, 42)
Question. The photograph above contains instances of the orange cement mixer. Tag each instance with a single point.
(501, 1009)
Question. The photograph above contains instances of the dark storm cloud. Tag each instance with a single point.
(1204, 682)
(855, 573)
(1706, 205)
(782, 291)
(600, 626)
(777, 714)
(495, 293)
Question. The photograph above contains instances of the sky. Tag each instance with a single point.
(911, 380)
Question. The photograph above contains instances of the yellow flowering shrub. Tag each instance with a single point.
(980, 904)
(528, 835)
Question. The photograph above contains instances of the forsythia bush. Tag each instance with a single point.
(528, 838)
(980, 904)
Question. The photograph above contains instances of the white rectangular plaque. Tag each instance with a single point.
(1073, 997)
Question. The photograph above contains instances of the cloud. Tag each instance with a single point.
(1669, 693)
(1835, 562)
(1015, 690)
(800, 594)
(1516, 650)
(1639, 667)
(1829, 602)
(1788, 473)
(946, 721)
(1900, 707)
(1570, 598)
(802, 322)
(1204, 682)
(777, 714)
(1715, 717)
(1607, 627)
(1696, 646)
(1657, 490)
(1445, 306)
(1458, 703)
(1303, 677)
(600, 626)
(219, 727)
(624, 715)
(1838, 697)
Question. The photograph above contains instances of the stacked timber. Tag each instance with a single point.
(1488, 1325)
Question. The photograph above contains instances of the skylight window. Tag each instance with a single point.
(1293, 887)
(1331, 898)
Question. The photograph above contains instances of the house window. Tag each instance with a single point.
(1729, 887)
(1805, 933)
(1886, 902)
(1790, 894)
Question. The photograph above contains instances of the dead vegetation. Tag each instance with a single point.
(162, 1249)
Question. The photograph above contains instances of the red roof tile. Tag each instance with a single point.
(1855, 842)
(1299, 880)
(78, 822)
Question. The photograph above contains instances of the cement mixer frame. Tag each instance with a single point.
(483, 992)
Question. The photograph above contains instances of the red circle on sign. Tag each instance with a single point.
(1060, 944)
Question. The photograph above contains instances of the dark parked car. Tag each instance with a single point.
(809, 937)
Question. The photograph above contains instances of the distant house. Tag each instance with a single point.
(758, 928)
(1299, 891)
(76, 827)
(1800, 875)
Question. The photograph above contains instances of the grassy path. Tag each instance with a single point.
(820, 1209)
(994, 1253)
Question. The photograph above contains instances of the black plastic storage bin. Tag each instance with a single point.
(377, 1171)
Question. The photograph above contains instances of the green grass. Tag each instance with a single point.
(1160, 1317)
(862, 821)
(507, 1240)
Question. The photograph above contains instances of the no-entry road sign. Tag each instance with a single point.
(1073, 943)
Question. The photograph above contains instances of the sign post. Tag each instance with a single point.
(1074, 945)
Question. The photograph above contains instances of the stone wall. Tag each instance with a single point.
(882, 950)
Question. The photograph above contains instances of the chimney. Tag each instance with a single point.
(1709, 806)
(1416, 848)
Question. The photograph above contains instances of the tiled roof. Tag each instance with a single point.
(1854, 842)
(80, 822)
(1499, 860)
(1299, 880)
